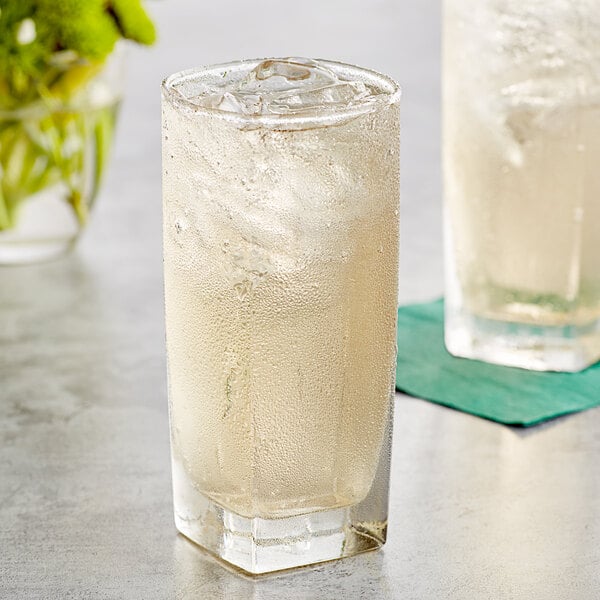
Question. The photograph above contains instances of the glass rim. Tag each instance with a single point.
(391, 94)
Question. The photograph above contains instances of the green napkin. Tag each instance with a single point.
(502, 394)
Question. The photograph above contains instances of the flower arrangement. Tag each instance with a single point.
(56, 118)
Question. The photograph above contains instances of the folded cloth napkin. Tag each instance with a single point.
(503, 394)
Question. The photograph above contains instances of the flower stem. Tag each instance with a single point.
(39, 152)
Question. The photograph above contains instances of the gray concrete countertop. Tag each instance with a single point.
(478, 510)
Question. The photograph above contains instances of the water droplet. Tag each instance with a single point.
(243, 288)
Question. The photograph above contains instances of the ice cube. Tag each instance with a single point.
(291, 71)
(273, 77)
(211, 100)
(341, 94)
(282, 86)
(245, 104)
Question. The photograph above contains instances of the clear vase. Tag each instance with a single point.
(53, 154)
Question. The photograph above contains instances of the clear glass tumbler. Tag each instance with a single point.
(522, 182)
(281, 192)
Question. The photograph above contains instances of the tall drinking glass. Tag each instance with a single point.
(522, 181)
(281, 257)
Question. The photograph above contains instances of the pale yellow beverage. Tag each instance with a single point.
(281, 261)
(522, 183)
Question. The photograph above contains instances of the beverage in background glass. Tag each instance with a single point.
(522, 181)
(281, 257)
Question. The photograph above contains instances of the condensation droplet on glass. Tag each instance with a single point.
(243, 288)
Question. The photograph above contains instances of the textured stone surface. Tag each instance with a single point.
(477, 510)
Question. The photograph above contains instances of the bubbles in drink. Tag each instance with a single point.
(281, 292)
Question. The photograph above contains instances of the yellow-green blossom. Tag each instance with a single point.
(35, 34)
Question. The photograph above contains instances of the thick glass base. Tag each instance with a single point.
(265, 545)
(260, 545)
(538, 348)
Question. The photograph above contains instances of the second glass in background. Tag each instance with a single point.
(522, 182)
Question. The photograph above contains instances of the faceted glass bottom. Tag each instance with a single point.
(261, 545)
(265, 545)
(538, 348)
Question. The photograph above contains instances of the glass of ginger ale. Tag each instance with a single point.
(522, 182)
(281, 194)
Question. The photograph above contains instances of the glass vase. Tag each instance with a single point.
(53, 154)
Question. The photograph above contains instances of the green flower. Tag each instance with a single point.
(49, 49)
(35, 33)
(133, 21)
(83, 26)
